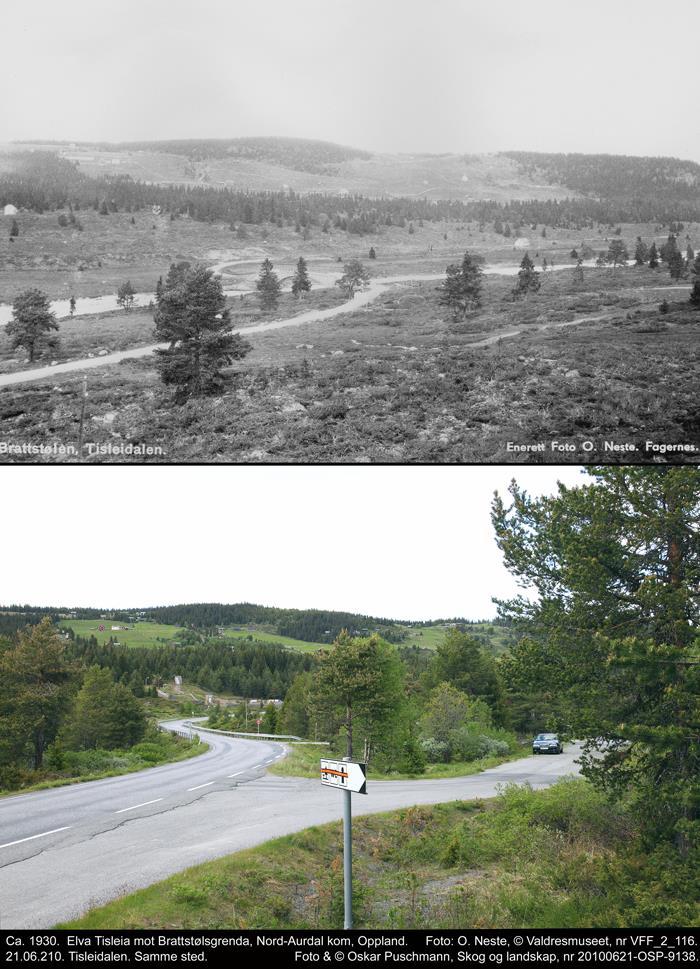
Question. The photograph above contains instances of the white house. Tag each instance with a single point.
(10, 210)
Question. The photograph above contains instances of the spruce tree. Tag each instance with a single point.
(301, 283)
(676, 265)
(653, 257)
(528, 278)
(268, 287)
(192, 316)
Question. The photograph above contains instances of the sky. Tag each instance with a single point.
(383, 75)
(393, 542)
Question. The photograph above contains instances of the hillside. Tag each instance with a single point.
(614, 177)
(282, 164)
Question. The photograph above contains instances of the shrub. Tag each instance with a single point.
(436, 751)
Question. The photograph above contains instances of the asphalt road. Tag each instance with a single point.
(82, 845)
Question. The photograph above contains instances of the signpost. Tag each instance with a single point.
(350, 776)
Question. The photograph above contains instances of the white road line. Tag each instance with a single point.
(200, 785)
(33, 836)
(134, 806)
(237, 773)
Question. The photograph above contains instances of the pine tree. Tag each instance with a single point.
(528, 278)
(372, 253)
(612, 629)
(617, 253)
(355, 277)
(653, 257)
(268, 287)
(126, 295)
(461, 290)
(641, 252)
(14, 229)
(695, 294)
(191, 314)
(301, 283)
(578, 272)
(32, 319)
(103, 208)
(71, 305)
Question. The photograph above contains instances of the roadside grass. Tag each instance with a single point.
(303, 761)
(562, 857)
(138, 633)
(78, 767)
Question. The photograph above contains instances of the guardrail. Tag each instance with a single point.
(287, 737)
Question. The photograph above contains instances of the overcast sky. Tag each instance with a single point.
(403, 543)
(414, 75)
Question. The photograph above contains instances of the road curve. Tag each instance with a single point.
(103, 855)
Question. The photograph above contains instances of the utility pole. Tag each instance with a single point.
(82, 420)
(347, 854)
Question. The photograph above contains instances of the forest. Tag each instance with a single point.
(615, 177)
(41, 181)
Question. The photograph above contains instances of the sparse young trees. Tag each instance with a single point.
(461, 290)
(301, 283)
(105, 714)
(268, 286)
(192, 316)
(528, 278)
(32, 322)
(126, 294)
(641, 252)
(355, 277)
(617, 253)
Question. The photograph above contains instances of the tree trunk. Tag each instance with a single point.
(349, 723)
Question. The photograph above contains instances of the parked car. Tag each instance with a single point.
(547, 743)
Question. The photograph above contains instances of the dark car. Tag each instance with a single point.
(547, 743)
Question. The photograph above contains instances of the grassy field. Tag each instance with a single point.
(557, 858)
(138, 633)
(429, 637)
(265, 637)
(303, 761)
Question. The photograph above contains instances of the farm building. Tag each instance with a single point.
(10, 210)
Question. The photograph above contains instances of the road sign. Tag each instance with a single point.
(102, 629)
(345, 774)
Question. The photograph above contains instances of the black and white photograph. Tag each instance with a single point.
(367, 232)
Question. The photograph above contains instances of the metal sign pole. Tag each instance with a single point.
(347, 854)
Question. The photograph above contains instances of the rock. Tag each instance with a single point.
(53, 363)
(102, 353)
(572, 375)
